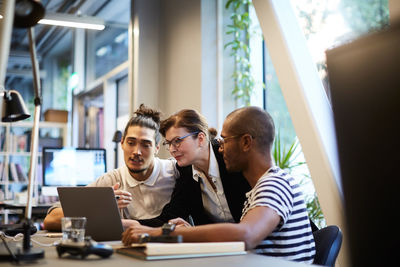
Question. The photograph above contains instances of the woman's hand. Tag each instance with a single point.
(132, 234)
(126, 223)
(179, 222)
(124, 198)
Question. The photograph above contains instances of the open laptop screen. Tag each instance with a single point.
(98, 205)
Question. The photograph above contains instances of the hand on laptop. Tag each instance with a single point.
(179, 222)
(123, 197)
(132, 234)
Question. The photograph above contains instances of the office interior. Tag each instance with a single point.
(169, 55)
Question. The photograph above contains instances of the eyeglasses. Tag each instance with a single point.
(221, 140)
(176, 142)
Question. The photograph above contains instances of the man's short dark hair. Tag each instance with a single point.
(256, 122)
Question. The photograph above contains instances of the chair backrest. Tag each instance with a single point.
(328, 241)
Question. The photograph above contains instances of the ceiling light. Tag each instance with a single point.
(102, 51)
(121, 37)
(74, 21)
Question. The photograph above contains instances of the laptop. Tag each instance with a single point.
(98, 205)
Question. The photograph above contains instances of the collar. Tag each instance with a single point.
(271, 170)
(213, 169)
(150, 181)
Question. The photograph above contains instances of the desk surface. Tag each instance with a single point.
(248, 260)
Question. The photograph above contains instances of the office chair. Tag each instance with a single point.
(328, 241)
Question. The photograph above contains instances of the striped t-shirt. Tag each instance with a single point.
(293, 238)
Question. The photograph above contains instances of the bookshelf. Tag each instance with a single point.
(15, 153)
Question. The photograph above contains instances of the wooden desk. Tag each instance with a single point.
(248, 260)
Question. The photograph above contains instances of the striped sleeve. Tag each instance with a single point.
(293, 238)
(276, 193)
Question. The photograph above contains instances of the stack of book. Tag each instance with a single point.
(159, 251)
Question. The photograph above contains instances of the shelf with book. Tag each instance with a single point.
(15, 140)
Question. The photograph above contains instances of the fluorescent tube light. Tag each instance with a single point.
(74, 21)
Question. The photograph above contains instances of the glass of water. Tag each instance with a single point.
(73, 229)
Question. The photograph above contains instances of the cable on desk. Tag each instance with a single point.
(17, 237)
(20, 236)
(55, 243)
(14, 258)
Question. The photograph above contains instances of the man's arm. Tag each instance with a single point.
(258, 223)
(52, 222)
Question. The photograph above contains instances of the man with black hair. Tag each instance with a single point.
(145, 183)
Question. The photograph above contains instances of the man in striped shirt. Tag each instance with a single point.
(274, 220)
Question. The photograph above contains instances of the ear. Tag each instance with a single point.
(201, 137)
(157, 149)
(246, 142)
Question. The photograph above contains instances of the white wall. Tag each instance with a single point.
(180, 56)
(394, 9)
(176, 59)
(177, 56)
(146, 59)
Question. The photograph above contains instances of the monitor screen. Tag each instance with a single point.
(69, 166)
(364, 77)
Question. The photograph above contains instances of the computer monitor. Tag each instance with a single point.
(365, 87)
(68, 166)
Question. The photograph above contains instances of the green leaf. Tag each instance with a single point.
(228, 4)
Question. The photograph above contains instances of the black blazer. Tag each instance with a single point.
(186, 198)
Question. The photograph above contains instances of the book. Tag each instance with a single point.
(13, 172)
(2, 176)
(159, 251)
(22, 177)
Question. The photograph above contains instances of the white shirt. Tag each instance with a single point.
(214, 201)
(149, 196)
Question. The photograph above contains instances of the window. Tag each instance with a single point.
(330, 23)
(325, 24)
(111, 49)
(108, 48)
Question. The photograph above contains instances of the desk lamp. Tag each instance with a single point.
(14, 108)
(27, 14)
(116, 139)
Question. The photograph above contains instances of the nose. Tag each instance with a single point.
(136, 150)
(171, 148)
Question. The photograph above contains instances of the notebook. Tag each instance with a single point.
(161, 251)
(98, 205)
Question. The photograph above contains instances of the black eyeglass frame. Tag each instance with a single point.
(221, 140)
(176, 142)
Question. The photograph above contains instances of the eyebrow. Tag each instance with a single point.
(140, 140)
(176, 137)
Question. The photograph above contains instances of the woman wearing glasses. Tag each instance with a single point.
(205, 190)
